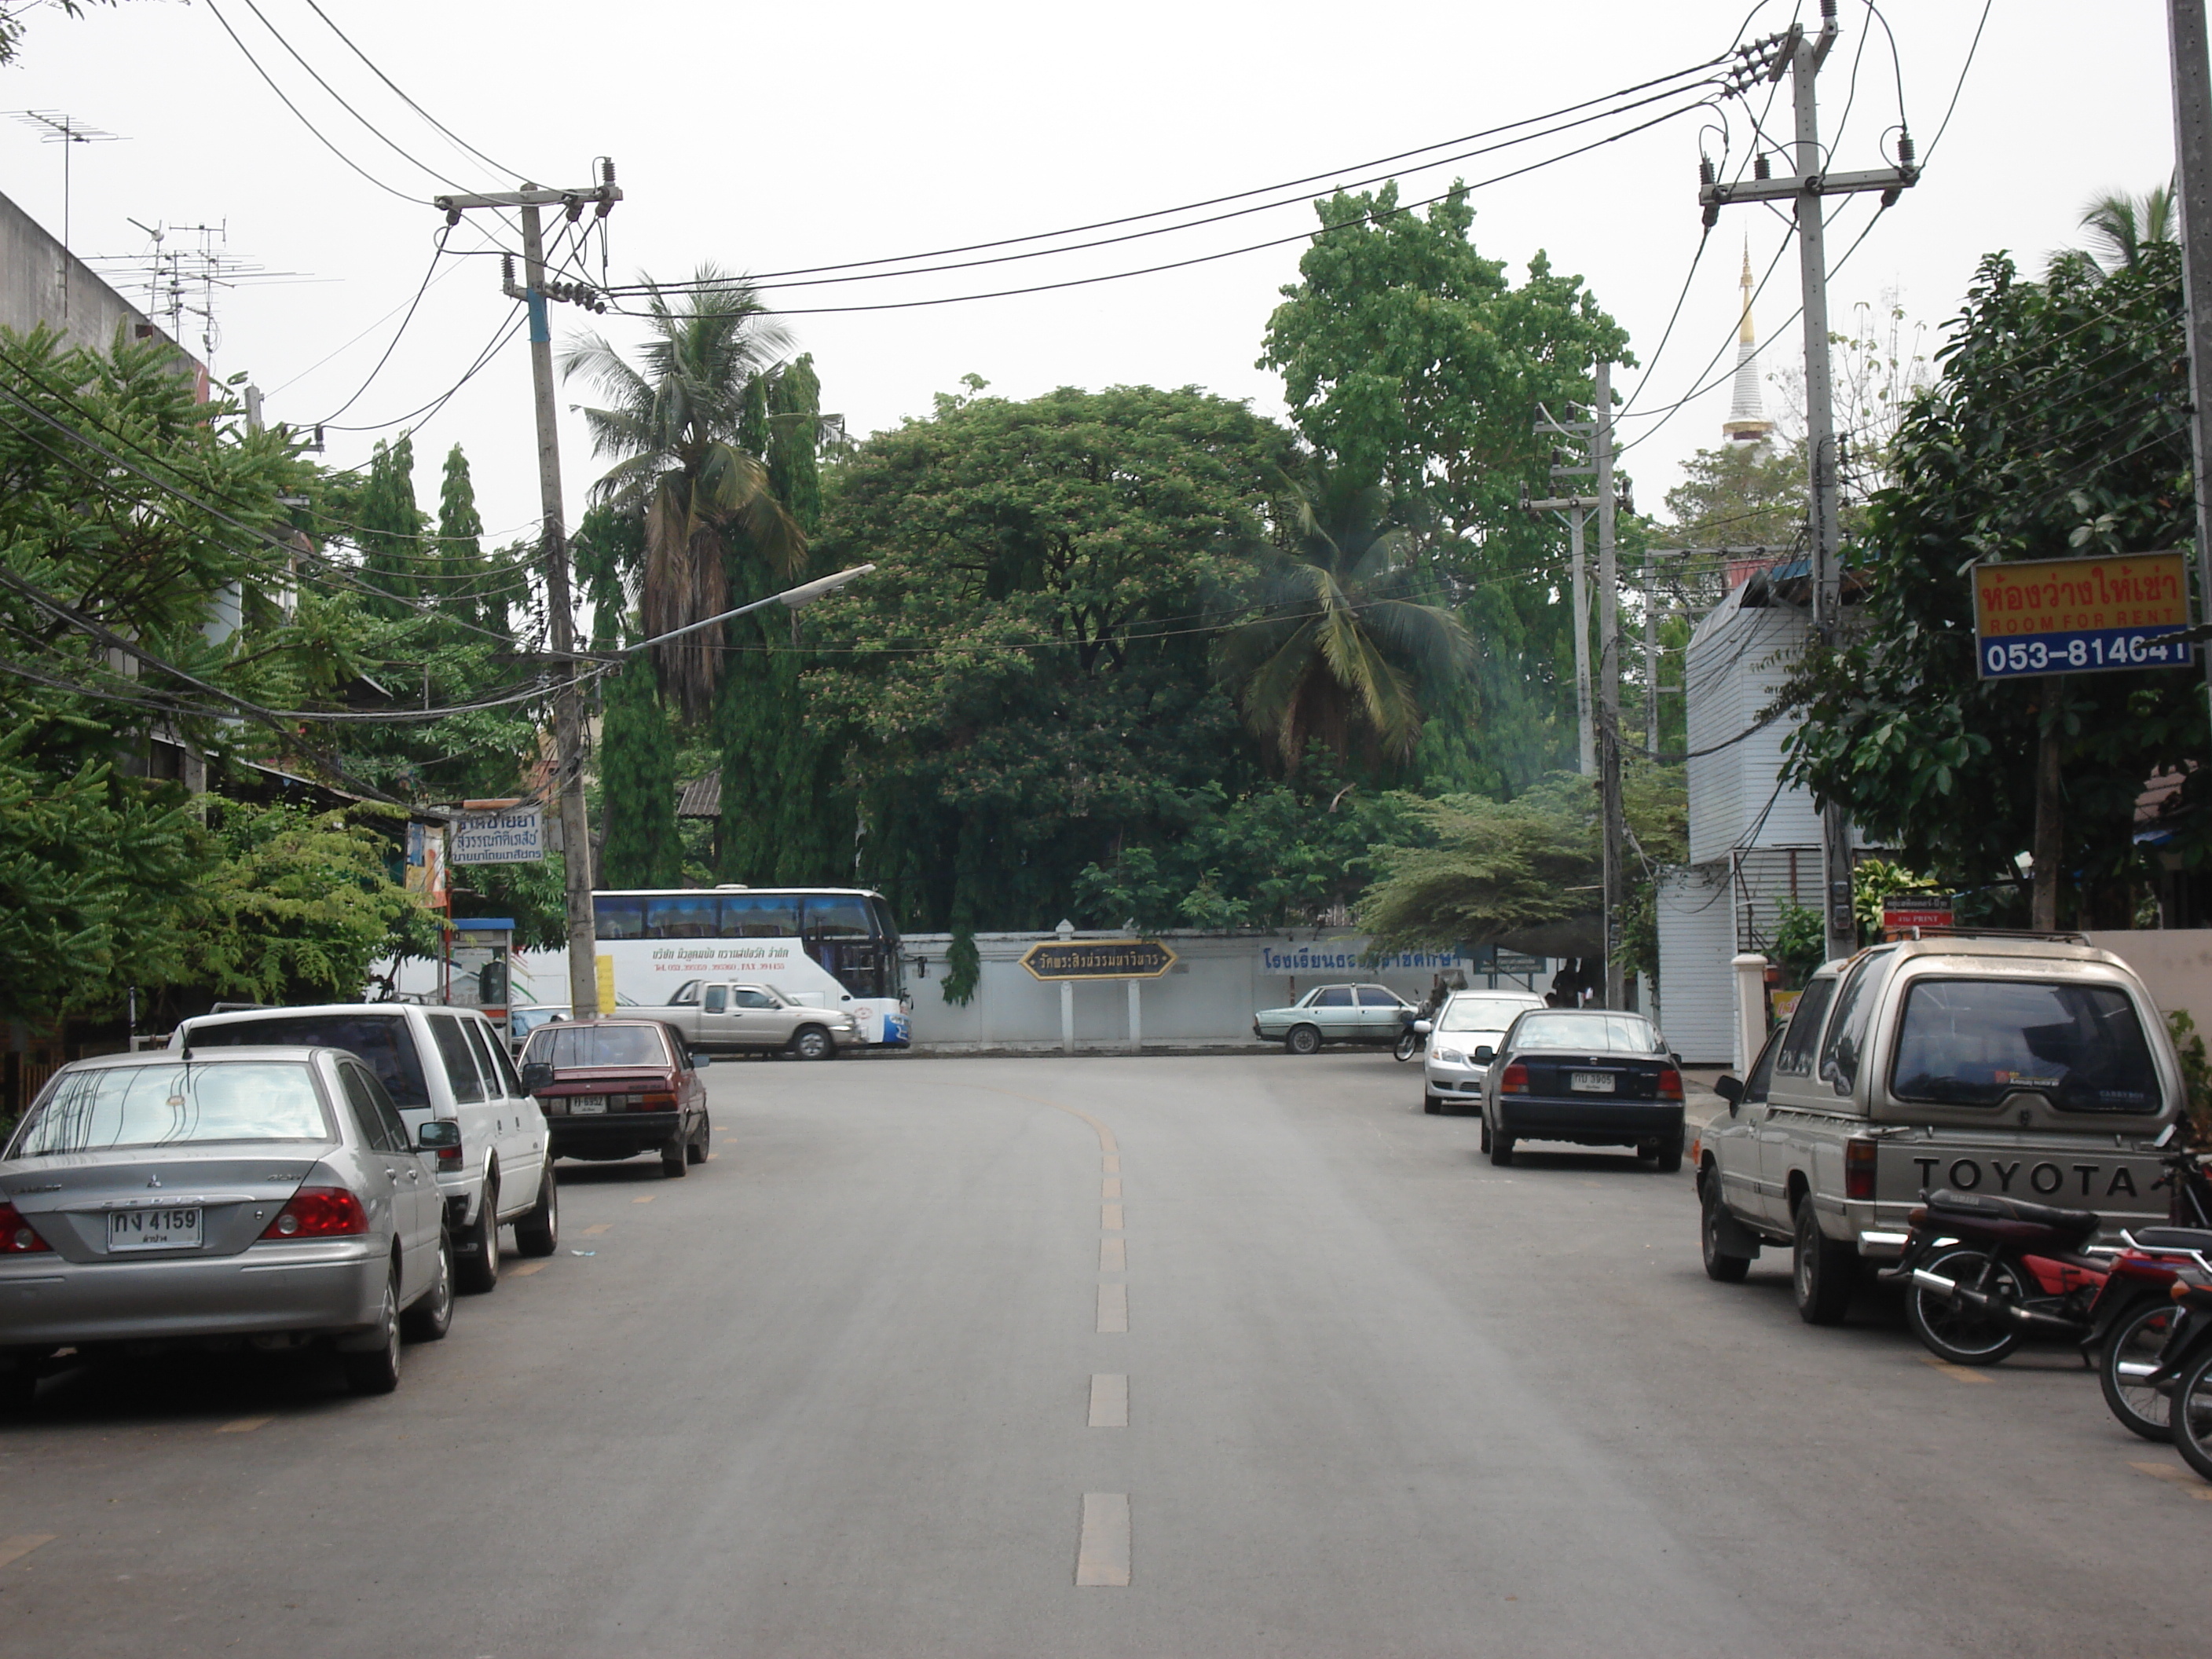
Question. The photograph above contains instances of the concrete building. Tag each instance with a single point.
(42, 282)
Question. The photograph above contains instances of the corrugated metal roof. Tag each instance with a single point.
(702, 797)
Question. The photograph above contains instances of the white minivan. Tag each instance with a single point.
(436, 1063)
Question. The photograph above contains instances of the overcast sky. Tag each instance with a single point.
(767, 139)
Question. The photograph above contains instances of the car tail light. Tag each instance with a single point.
(1670, 1084)
(319, 1213)
(1514, 1079)
(449, 1160)
(1858, 1169)
(652, 1102)
(17, 1236)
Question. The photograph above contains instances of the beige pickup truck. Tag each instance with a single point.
(2028, 1066)
(718, 1014)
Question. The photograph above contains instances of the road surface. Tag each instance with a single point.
(1219, 1356)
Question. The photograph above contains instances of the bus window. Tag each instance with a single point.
(691, 916)
(618, 918)
(886, 929)
(837, 915)
(760, 915)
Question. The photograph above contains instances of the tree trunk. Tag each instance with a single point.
(2049, 833)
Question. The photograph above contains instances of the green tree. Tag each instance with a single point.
(1410, 358)
(1343, 643)
(2058, 426)
(1023, 690)
(2123, 228)
(638, 785)
(1741, 495)
(676, 427)
(391, 526)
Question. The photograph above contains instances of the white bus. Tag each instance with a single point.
(831, 947)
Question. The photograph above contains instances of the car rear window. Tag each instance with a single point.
(174, 1103)
(1972, 1042)
(382, 1040)
(1587, 1033)
(1479, 1014)
(563, 1046)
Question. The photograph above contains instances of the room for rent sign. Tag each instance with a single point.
(2080, 616)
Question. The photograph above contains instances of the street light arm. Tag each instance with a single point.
(791, 598)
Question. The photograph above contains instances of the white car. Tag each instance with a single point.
(436, 1063)
(1469, 1024)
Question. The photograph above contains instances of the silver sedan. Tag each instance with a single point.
(1469, 1024)
(269, 1197)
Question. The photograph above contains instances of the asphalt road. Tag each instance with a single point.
(834, 1394)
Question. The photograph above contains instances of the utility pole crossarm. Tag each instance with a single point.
(1885, 180)
(605, 195)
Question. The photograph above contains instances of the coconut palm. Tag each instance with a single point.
(675, 423)
(2121, 228)
(1343, 643)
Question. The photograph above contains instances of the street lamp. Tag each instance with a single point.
(792, 599)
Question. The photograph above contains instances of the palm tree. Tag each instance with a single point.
(1344, 645)
(676, 424)
(2121, 228)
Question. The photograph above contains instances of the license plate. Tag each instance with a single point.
(153, 1229)
(585, 1105)
(1591, 1083)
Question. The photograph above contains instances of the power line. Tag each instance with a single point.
(456, 138)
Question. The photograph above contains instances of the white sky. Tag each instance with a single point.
(767, 138)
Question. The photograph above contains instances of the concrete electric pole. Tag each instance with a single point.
(2192, 158)
(1575, 506)
(1801, 56)
(568, 713)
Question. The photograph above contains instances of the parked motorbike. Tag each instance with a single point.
(1984, 1273)
(2182, 1374)
(2128, 1362)
(1414, 1037)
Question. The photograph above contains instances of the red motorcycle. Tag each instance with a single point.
(1982, 1273)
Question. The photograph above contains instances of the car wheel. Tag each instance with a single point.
(479, 1262)
(1719, 1264)
(1964, 1335)
(432, 1315)
(695, 1150)
(2135, 1340)
(1303, 1040)
(812, 1042)
(1670, 1156)
(1431, 1104)
(675, 1160)
(1486, 1134)
(377, 1371)
(538, 1233)
(1501, 1150)
(1821, 1270)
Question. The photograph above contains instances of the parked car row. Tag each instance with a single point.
(322, 1177)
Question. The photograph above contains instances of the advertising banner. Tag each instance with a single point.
(510, 834)
(2080, 616)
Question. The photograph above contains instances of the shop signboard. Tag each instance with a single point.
(2082, 616)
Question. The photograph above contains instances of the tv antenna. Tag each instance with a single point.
(54, 127)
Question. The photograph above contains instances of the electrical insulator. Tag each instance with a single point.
(1759, 169)
(1705, 170)
(1827, 12)
(507, 269)
(606, 169)
(1904, 147)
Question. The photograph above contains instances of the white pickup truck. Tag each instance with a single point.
(2028, 1066)
(739, 1014)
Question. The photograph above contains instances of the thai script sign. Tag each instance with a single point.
(1900, 911)
(1349, 955)
(2080, 616)
(1098, 958)
(514, 835)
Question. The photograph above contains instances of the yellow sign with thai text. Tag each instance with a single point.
(2080, 616)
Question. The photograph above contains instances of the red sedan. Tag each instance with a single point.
(614, 1088)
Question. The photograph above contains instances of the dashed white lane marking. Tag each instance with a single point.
(2156, 1471)
(1109, 1217)
(1101, 1552)
(1113, 1255)
(15, 1548)
(648, 1199)
(594, 1231)
(1109, 1402)
(245, 1425)
(1113, 1307)
(1110, 1187)
(528, 1268)
(1112, 1164)
(1956, 1373)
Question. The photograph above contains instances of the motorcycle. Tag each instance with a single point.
(1413, 1039)
(2128, 1364)
(2182, 1374)
(1984, 1273)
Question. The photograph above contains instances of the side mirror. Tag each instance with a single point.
(1483, 1055)
(1423, 1027)
(536, 1077)
(438, 1135)
(2166, 1136)
(701, 1062)
(1729, 1089)
(1674, 1060)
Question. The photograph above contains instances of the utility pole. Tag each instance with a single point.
(1575, 506)
(2192, 156)
(567, 714)
(1608, 679)
(1801, 56)
(1650, 656)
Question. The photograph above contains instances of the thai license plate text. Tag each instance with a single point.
(153, 1229)
(1591, 1083)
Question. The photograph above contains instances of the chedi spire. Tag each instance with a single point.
(1746, 421)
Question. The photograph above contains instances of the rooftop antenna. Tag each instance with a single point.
(54, 127)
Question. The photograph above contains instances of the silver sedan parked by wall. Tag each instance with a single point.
(266, 1198)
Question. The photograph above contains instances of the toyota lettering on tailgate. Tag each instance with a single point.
(2019, 1177)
